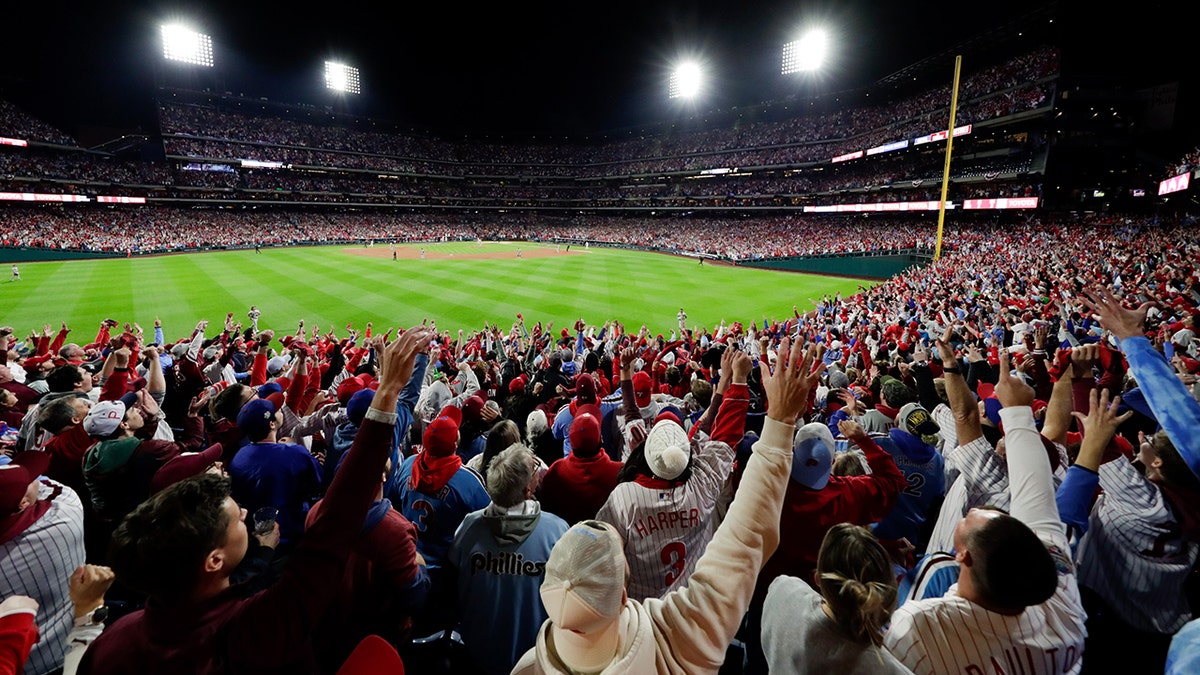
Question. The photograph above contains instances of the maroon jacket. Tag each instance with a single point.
(266, 632)
(382, 588)
(576, 487)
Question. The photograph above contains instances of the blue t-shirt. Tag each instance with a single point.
(924, 470)
(283, 475)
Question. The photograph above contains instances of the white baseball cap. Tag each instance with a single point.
(104, 418)
(667, 450)
(584, 593)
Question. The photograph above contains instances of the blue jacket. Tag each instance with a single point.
(437, 516)
(283, 475)
(923, 468)
(501, 562)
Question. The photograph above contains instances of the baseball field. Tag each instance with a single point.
(459, 285)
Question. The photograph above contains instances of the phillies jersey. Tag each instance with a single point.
(437, 516)
(667, 526)
(1134, 554)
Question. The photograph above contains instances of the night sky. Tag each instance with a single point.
(526, 67)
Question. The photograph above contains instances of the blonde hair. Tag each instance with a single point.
(857, 582)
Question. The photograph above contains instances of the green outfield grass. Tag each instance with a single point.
(329, 286)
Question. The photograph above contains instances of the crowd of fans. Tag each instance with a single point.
(91, 174)
(902, 465)
(161, 230)
(1189, 162)
(210, 132)
(20, 125)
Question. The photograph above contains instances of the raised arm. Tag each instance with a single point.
(701, 619)
(1168, 398)
(1030, 480)
(967, 425)
(284, 614)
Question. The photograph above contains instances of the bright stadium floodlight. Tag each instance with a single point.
(807, 53)
(686, 81)
(341, 77)
(187, 46)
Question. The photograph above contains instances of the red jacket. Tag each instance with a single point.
(381, 585)
(576, 487)
(809, 514)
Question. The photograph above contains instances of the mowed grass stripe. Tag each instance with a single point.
(326, 285)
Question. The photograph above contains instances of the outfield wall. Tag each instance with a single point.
(864, 266)
(19, 254)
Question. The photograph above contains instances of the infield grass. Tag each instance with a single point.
(331, 286)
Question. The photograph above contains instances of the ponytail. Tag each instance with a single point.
(857, 582)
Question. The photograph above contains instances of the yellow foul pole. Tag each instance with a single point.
(937, 252)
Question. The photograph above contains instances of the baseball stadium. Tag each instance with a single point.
(682, 337)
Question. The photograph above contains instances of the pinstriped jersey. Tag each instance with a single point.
(666, 528)
(1134, 555)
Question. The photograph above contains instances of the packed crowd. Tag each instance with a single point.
(20, 125)
(90, 174)
(985, 464)
(158, 230)
(1189, 162)
(844, 133)
(1014, 86)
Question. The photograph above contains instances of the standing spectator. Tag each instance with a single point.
(435, 492)
(577, 486)
(268, 473)
(840, 628)
(1016, 592)
(816, 501)
(500, 554)
(922, 466)
(664, 504)
(385, 583)
(41, 544)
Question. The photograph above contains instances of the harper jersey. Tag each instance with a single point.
(666, 526)
(437, 516)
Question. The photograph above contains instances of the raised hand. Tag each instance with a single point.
(851, 430)
(1102, 419)
(794, 377)
(1011, 389)
(396, 362)
(1107, 308)
(87, 587)
(1083, 359)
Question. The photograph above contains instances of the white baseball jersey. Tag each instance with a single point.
(954, 635)
(976, 477)
(1134, 555)
(667, 529)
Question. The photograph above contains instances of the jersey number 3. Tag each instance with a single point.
(426, 510)
(674, 555)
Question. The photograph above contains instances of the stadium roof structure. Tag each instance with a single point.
(532, 69)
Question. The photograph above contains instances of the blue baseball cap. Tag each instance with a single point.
(255, 418)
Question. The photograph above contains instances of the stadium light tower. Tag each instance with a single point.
(805, 54)
(342, 78)
(186, 45)
(687, 80)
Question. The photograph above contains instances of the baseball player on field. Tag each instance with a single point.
(664, 506)
(1016, 606)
